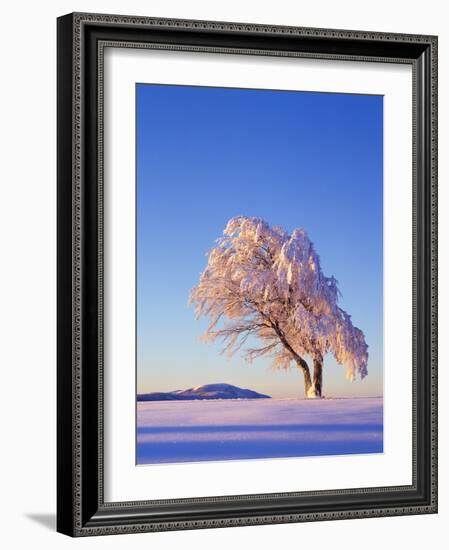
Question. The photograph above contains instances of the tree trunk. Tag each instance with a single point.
(302, 364)
(307, 380)
(318, 377)
(312, 389)
(306, 372)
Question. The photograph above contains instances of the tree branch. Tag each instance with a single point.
(299, 360)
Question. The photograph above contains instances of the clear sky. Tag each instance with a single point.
(296, 159)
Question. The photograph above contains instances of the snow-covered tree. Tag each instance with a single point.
(262, 284)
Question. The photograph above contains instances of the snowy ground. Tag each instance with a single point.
(192, 431)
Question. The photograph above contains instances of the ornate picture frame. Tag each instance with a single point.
(81, 508)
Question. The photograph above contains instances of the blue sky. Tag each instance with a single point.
(296, 159)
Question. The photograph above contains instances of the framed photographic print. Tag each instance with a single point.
(247, 283)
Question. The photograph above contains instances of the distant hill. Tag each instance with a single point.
(208, 391)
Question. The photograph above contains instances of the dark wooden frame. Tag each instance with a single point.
(81, 509)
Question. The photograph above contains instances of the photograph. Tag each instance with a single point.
(259, 274)
(247, 278)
